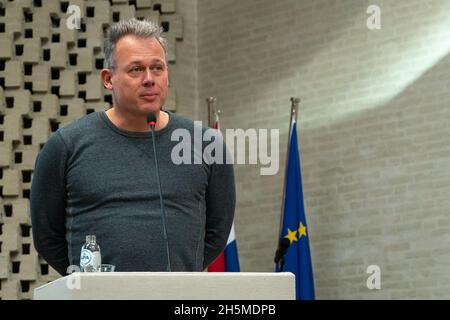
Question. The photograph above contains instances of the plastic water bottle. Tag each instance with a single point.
(90, 258)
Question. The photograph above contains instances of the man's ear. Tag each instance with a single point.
(106, 75)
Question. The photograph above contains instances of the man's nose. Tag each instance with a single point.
(148, 79)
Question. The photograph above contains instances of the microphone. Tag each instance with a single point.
(283, 245)
(151, 121)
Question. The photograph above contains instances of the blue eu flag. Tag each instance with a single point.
(297, 257)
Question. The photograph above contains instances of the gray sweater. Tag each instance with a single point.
(92, 177)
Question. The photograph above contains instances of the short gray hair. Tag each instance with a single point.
(138, 28)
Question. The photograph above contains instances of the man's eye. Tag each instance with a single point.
(136, 69)
(157, 67)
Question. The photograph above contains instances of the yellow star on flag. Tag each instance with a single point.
(291, 235)
(301, 230)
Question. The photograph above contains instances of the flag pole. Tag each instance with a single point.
(294, 111)
(211, 110)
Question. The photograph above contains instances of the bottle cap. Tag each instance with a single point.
(90, 238)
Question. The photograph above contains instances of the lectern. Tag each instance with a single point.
(170, 286)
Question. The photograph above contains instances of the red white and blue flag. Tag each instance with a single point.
(228, 260)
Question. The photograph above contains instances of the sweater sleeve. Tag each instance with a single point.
(48, 204)
(220, 206)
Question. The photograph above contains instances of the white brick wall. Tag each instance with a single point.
(374, 126)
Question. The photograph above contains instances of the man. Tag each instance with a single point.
(97, 175)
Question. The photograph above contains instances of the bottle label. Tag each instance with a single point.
(90, 261)
(86, 257)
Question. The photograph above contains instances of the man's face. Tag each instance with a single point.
(139, 81)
